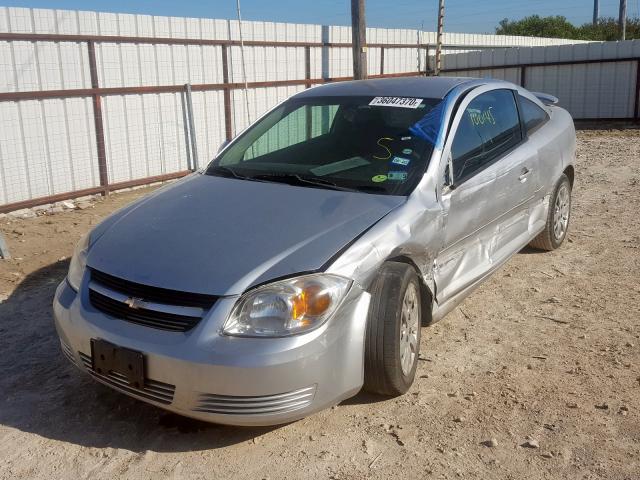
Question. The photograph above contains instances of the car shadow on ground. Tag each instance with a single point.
(43, 394)
(531, 251)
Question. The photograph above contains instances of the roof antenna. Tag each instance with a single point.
(244, 70)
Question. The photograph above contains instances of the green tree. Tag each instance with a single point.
(559, 27)
(537, 26)
(607, 29)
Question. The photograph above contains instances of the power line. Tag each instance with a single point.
(483, 16)
(568, 6)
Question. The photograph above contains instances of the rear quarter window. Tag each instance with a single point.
(533, 117)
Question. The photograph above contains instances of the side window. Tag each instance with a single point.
(298, 126)
(489, 127)
(532, 115)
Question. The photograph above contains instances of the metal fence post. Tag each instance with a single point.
(382, 61)
(192, 127)
(307, 65)
(227, 93)
(427, 67)
(307, 76)
(97, 119)
(185, 127)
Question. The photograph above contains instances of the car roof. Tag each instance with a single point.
(426, 87)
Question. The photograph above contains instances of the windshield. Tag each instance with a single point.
(346, 143)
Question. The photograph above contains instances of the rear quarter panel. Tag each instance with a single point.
(556, 142)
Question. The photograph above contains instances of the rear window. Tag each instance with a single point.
(358, 143)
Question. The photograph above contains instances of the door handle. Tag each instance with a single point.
(525, 173)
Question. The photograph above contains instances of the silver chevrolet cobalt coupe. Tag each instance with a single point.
(298, 267)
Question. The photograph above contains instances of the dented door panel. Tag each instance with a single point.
(467, 248)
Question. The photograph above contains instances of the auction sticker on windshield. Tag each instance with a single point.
(403, 102)
(400, 161)
(399, 176)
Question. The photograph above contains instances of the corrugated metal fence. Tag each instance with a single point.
(598, 80)
(92, 102)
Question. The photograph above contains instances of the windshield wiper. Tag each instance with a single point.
(226, 172)
(289, 179)
(295, 179)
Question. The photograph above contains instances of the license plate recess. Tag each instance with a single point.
(109, 358)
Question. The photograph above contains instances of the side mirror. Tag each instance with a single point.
(222, 145)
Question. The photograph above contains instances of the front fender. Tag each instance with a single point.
(412, 233)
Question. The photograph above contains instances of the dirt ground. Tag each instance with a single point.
(547, 352)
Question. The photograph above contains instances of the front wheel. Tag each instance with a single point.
(558, 217)
(392, 341)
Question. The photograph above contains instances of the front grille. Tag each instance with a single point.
(141, 316)
(153, 390)
(108, 294)
(153, 294)
(256, 405)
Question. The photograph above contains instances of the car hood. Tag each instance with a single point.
(220, 236)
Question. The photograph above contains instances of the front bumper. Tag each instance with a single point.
(239, 381)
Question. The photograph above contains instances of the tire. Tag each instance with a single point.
(396, 291)
(558, 217)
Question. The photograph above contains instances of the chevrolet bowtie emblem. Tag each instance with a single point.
(134, 302)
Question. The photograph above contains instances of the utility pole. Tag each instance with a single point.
(622, 19)
(439, 38)
(596, 11)
(359, 40)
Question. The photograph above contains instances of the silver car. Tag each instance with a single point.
(298, 267)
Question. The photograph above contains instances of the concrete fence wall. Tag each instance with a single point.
(83, 110)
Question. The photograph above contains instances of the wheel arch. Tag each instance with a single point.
(425, 291)
(570, 173)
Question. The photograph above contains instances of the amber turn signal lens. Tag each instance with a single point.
(318, 299)
(314, 300)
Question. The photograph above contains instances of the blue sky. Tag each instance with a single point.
(461, 16)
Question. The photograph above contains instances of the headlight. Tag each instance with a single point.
(78, 262)
(287, 307)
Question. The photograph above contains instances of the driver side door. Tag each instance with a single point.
(486, 206)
